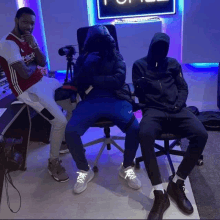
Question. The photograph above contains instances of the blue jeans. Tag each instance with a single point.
(87, 112)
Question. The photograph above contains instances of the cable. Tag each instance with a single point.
(6, 186)
(8, 179)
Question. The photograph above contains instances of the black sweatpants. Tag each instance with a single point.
(185, 123)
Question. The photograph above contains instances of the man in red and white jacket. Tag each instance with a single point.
(21, 59)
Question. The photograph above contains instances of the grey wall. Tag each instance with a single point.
(134, 41)
(62, 18)
(8, 10)
(202, 87)
(201, 31)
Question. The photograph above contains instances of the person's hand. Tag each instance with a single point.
(29, 38)
(93, 58)
(141, 84)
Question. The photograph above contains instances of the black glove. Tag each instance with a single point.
(140, 87)
(92, 58)
(142, 83)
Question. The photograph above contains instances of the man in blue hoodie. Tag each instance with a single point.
(101, 70)
(159, 84)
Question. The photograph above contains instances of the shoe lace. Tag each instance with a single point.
(182, 190)
(130, 174)
(59, 167)
(81, 178)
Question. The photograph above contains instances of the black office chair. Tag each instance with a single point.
(167, 150)
(105, 123)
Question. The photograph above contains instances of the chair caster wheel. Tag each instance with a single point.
(137, 166)
(95, 169)
(200, 162)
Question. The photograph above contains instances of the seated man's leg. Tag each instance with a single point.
(40, 97)
(123, 117)
(150, 127)
(65, 104)
(83, 117)
(188, 125)
(68, 107)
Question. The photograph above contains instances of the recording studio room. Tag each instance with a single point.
(109, 109)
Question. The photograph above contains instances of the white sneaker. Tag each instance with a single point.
(83, 178)
(64, 149)
(129, 175)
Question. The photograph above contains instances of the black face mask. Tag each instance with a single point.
(159, 50)
(99, 44)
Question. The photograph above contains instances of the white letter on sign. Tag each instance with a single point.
(121, 3)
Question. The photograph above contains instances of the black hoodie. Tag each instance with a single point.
(107, 76)
(158, 79)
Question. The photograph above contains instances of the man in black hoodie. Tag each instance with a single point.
(101, 70)
(159, 84)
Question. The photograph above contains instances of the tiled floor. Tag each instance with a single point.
(107, 196)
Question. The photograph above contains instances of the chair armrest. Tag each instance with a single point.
(131, 86)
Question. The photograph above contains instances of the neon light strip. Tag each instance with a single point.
(136, 20)
(21, 3)
(43, 32)
(181, 8)
(61, 71)
(91, 12)
(204, 65)
(141, 15)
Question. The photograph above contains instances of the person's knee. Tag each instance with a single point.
(134, 127)
(47, 114)
(71, 131)
(63, 122)
(60, 120)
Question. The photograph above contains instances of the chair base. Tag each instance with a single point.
(106, 142)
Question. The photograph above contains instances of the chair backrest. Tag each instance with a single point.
(82, 34)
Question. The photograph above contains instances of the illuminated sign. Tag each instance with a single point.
(132, 8)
